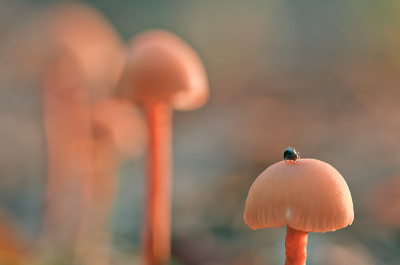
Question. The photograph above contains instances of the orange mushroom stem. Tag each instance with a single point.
(156, 234)
(295, 245)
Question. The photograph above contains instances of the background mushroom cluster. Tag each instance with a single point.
(322, 77)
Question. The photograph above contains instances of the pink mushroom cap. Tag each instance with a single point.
(309, 195)
(163, 68)
(88, 35)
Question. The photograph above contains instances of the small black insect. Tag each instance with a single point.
(291, 154)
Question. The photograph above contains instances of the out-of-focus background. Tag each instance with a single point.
(323, 77)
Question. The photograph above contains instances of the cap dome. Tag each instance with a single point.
(87, 34)
(309, 195)
(162, 67)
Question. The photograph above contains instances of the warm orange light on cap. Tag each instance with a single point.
(163, 68)
(91, 39)
(309, 196)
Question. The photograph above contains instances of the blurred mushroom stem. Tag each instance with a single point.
(296, 246)
(157, 219)
(116, 128)
(94, 238)
(69, 139)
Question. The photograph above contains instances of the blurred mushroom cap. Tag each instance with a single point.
(88, 35)
(309, 195)
(163, 68)
(123, 124)
(63, 77)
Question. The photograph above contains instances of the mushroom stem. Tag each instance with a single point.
(157, 219)
(296, 246)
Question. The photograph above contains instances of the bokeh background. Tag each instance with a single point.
(321, 76)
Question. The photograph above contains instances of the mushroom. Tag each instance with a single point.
(86, 58)
(88, 35)
(118, 133)
(308, 196)
(68, 129)
(162, 73)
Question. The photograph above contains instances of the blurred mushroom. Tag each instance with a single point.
(26, 49)
(118, 133)
(308, 196)
(162, 73)
(89, 61)
(68, 129)
(124, 124)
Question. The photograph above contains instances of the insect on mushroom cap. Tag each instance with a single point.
(163, 68)
(309, 195)
(291, 154)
